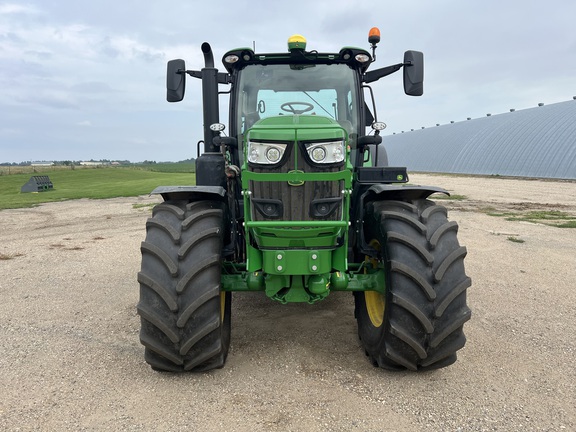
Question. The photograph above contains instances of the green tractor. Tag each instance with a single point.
(297, 200)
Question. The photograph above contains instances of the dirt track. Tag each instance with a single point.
(70, 357)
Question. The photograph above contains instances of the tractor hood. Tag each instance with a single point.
(297, 127)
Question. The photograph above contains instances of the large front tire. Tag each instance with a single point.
(185, 317)
(418, 323)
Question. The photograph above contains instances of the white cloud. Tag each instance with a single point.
(13, 8)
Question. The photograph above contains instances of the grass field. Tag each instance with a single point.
(169, 167)
(88, 183)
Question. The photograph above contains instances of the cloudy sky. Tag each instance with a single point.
(85, 80)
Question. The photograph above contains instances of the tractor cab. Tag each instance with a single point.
(301, 83)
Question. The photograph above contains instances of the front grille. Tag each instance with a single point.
(314, 200)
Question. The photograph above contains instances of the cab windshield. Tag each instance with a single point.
(284, 89)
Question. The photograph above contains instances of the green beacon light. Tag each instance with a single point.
(296, 42)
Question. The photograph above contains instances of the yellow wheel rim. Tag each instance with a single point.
(375, 306)
(222, 306)
(375, 303)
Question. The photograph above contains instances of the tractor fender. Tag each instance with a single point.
(192, 193)
(378, 192)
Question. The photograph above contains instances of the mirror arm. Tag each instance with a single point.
(223, 78)
(192, 73)
(375, 75)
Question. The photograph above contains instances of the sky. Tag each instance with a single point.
(83, 80)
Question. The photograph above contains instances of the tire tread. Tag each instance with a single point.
(425, 307)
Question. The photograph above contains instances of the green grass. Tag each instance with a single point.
(143, 206)
(515, 239)
(550, 217)
(569, 224)
(97, 183)
(176, 167)
(452, 197)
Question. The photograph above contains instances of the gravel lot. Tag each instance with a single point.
(70, 357)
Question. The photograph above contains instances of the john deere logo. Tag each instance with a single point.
(295, 182)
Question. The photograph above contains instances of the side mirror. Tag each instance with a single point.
(413, 73)
(175, 80)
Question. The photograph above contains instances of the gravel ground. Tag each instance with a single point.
(70, 357)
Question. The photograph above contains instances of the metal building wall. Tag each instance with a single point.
(535, 142)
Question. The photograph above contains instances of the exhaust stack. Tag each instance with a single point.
(210, 164)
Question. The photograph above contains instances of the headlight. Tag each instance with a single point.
(318, 153)
(326, 152)
(273, 155)
(362, 58)
(265, 153)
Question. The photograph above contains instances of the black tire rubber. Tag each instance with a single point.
(425, 301)
(185, 317)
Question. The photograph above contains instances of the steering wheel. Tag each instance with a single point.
(289, 107)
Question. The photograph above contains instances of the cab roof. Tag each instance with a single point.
(356, 58)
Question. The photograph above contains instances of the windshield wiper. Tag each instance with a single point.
(317, 103)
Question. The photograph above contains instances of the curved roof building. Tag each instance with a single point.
(535, 142)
